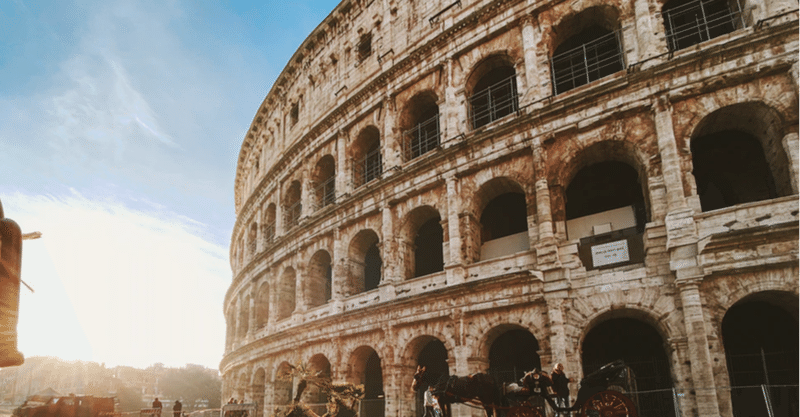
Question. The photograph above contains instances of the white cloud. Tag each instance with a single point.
(144, 286)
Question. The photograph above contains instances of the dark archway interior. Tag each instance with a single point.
(421, 127)
(605, 186)
(434, 358)
(428, 256)
(512, 354)
(761, 347)
(642, 349)
(495, 96)
(372, 267)
(505, 215)
(729, 169)
(373, 377)
(591, 54)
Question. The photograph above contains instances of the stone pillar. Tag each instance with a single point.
(451, 111)
(546, 248)
(300, 302)
(388, 247)
(306, 196)
(251, 319)
(555, 316)
(668, 149)
(343, 170)
(537, 72)
(391, 140)
(454, 262)
(790, 145)
(776, 7)
(340, 272)
(697, 338)
(649, 31)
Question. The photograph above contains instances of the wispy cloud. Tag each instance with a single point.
(141, 284)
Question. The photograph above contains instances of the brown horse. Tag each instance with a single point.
(475, 388)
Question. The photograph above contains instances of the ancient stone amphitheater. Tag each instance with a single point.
(500, 185)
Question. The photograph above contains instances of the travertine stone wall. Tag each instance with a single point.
(696, 264)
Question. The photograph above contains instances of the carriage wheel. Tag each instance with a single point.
(521, 411)
(609, 404)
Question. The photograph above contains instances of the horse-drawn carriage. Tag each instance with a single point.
(601, 393)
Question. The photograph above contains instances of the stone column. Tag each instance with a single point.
(391, 140)
(388, 248)
(251, 312)
(454, 263)
(300, 302)
(668, 149)
(790, 145)
(546, 248)
(649, 31)
(342, 167)
(306, 196)
(450, 110)
(697, 338)
(537, 71)
(340, 272)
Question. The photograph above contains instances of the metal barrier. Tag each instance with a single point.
(421, 139)
(367, 168)
(586, 63)
(701, 20)
(495, 102)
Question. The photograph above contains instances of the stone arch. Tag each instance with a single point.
(501, 228)
(512, 351)
(365, 153)
(241, 386)
(366, 368)
(319, 282)
(365, 263)
(282, 385)
(419, 124)
(259, 390)
(759, 333)
(421, 242)
(432, 353)
(262, 305)
(639, 340)
(491, 89)
(319, 366)
(323, 178)
(738, 156)
(585, 47)
(285, 294)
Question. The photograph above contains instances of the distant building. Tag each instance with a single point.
(501, 185)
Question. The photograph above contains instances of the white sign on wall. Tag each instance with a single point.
(610, 253)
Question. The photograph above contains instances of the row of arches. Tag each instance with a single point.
(754, 354)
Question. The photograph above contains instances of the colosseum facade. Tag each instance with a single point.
(500, 185)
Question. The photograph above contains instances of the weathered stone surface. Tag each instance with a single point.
(304, 293)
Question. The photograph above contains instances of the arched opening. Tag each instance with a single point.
(293, 207)
(286, 294)
(320, 367)
(320, 273)
(738, 156)
(269, 224)
(605, 209)
(244, 318)
(262, 306)
(503, 219)
(513, 353)
(689, 22)
(420, 125)
(259, 386)
(241, 387)
(367, 370)
(422, 240)
(252, 240)
(366, 154)
(642, 348)
(591, 49)
(760, 336)
(282, 386)
(493, 88)
(325, 182)
(433, 357)
(365, 263)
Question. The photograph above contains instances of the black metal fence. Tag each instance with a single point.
(367, 168)
(325, 193)
(423, 138)
(701, 20)
(586, 63)
(495, 102)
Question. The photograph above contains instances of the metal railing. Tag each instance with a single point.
(367, 168)
(586, 63)
(701, 20)
(291, 216)
(495, 102)
(269, 233)
(325, 193)
(421, 139)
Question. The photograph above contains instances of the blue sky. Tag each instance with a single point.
(120, 126)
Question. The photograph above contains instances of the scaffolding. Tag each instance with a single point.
(421, 139)
(586, 63)
(700, 20)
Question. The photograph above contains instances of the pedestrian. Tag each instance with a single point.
(176, 409)
(431, 404)
(157, 407)
(560, 386)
